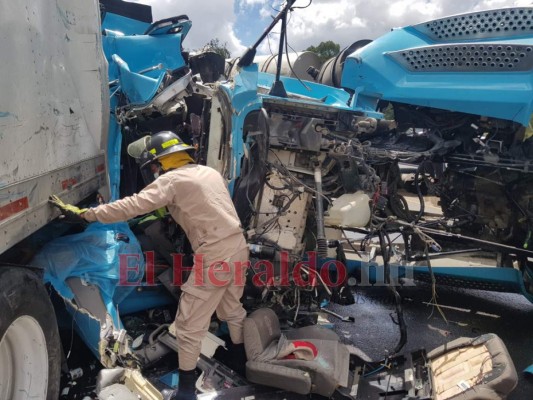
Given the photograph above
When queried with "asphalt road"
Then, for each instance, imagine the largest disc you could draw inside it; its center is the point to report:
(468, 313)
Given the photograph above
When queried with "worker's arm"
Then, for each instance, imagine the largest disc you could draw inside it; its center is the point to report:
(156, 195)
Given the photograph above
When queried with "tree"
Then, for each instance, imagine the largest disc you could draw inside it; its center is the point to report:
(216, 46)
(325, 50)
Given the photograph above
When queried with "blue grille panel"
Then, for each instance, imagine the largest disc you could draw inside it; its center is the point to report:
(492, 24)
(484, 57)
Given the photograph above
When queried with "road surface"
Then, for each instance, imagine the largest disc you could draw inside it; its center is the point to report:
(468, 312)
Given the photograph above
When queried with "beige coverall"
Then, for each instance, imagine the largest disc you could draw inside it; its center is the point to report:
(198, 200)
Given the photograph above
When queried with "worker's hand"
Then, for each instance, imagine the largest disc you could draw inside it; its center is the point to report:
(69, 212)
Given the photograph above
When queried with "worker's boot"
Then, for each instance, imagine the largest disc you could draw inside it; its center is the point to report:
(237, 358)
(186, 386)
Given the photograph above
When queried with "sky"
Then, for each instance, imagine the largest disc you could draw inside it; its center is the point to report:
(238, 23)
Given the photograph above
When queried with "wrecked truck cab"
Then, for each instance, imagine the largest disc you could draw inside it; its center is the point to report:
(460, 89)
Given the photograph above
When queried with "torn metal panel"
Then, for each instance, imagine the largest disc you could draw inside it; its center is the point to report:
(88, 297)
(95, 270)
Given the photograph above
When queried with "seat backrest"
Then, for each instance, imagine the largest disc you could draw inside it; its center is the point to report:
(260, 329)
(482, 366)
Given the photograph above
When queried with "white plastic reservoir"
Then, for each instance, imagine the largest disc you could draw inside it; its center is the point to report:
(351, 210)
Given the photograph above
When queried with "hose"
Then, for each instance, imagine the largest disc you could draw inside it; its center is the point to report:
(398, 300)
(400, 208)
(419, 192)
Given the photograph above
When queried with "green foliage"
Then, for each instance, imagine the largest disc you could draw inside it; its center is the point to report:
(325, 50)
(388, 112)
(216, 46)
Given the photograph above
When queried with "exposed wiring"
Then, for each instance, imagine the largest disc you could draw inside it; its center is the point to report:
(454, 203)
(269, 47)
(492, 181)
(428, 240)
(429, 243)
(433, 301)
(72, 331)
(268, 224)
(285, 187)
(292, 48)
(512, 165)
(289, 60)
(297, 295)
(374, 372)
(419, 192)
(383, 365)
(388, 386)
(275, 9)
(385, 253)
(463, 238)
(482, 371)
(350, 243)
(328, 290)
(294, 178)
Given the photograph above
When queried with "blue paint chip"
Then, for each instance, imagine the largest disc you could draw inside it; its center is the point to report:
(529, 370)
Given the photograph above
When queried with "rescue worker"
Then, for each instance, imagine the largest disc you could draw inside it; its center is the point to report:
(197, 198)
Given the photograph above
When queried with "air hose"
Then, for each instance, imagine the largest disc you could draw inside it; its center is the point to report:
(321, 241)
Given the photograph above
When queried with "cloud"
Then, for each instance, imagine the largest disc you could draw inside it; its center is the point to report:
(343, 21)
(346, 21)
(252, 2)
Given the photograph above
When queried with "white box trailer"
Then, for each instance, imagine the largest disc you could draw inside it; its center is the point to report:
(54, 110)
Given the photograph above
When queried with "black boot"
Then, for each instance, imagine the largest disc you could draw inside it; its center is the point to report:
(237, 358)
(186, 386)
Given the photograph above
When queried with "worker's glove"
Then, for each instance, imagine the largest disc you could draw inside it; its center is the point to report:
(69, 212)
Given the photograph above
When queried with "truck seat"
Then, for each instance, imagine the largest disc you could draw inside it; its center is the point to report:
(284, 360)
(472, 369)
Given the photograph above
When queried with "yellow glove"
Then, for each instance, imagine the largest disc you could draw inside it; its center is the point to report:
(70, 212)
